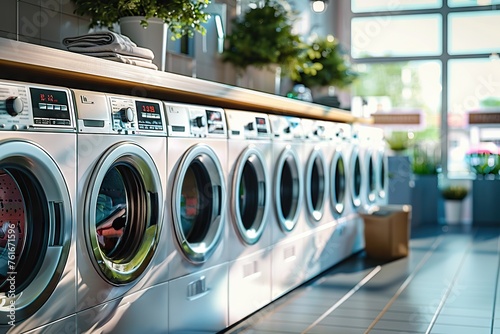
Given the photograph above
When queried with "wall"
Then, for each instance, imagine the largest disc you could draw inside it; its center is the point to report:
(48, 22)
(43, 22)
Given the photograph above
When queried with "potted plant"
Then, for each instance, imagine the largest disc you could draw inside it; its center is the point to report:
(262, 37)
(453, 196)
(325, 64)
(146, 22)
(483, 159)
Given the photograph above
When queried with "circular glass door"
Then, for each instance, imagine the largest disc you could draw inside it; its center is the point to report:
(288, 187)
(381, 174)
(123, 213)
(198, 203)
(315, 185)
(338, 183)
(357, 178)
(35, 228)
(372, 177)
(249, 195)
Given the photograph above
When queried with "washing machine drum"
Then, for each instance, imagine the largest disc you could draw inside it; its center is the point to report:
(288, 189)
(35, 228)
(198, 203)
(382, 175)
(123, 213)
(249, 195)
(315, 185)
(357, 178)
(338, 186)
(372, 178)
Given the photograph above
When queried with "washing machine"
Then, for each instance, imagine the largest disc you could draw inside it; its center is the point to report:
(122, 265)
(317, 150)
(287, 227)
(37, 208)
(196, 204)
(368, 141)
(249, 158)
(381, 167)
(362, 187)
(341, 175)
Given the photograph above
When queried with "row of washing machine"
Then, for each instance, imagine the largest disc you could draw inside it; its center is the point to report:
(122, 214)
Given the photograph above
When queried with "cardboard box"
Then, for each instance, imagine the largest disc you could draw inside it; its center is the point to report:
(387, 231)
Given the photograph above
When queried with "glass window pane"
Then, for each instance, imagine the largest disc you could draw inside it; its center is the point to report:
(390, 36)
(469, 3)
(362, 6)
(473, 84)
(401, 86)
(474, 32)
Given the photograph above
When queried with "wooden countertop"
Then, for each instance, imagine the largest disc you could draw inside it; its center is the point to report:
(38, 64)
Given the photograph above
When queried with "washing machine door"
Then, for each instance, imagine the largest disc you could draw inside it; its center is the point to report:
(338, 183)
(356, 177)
(288, 189)
(249, 203)
(382, 174)
(315, 185)
(372, 177)
(123, 210)
(35, 228)
(198, 203)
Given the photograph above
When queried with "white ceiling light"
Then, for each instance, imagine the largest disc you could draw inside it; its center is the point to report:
(318, 6)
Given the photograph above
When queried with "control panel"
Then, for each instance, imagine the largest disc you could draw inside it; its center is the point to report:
(30, 107)
(286, 127)
(126, 115)
(247, 125)
(186, 120)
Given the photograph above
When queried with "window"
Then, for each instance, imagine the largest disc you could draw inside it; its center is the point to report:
(364, 6)
(405, 56)
(474, 32)
(402, 35)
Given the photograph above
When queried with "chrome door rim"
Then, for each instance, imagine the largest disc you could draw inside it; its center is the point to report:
(338, 207)
(288, 153)
(356, 166)
(137, 160)
(315, 157)
(38, 162)
(253, 156)
(199, 252)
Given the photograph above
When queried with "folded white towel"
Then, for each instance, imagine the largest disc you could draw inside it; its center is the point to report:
(106, 41)
(123, 59)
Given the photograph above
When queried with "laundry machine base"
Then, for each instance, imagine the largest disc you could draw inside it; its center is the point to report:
(145, 311)
(249, 285)
(287, 270)
(198, 301)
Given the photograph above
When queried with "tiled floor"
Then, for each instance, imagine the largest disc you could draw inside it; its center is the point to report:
(448, 284)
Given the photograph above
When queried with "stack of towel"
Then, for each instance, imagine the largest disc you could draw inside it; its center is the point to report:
(112, 46)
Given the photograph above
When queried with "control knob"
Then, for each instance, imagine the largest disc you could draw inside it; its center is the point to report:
(319, 131)
(127, 115)
(249, 126)
(199, 121)
(14, 105)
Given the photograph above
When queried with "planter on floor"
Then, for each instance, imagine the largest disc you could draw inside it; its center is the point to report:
(425, 197)
(485, 207)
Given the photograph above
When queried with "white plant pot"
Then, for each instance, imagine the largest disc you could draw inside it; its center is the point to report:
(266, 79)
(153, 37)
(453, 211)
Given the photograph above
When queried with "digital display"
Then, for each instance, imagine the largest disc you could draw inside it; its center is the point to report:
(149, 115)
(215, 122)
(50, 107)
(260, 120)
(214, 116)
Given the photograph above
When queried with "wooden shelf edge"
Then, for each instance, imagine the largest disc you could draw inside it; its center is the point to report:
(39, 64)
